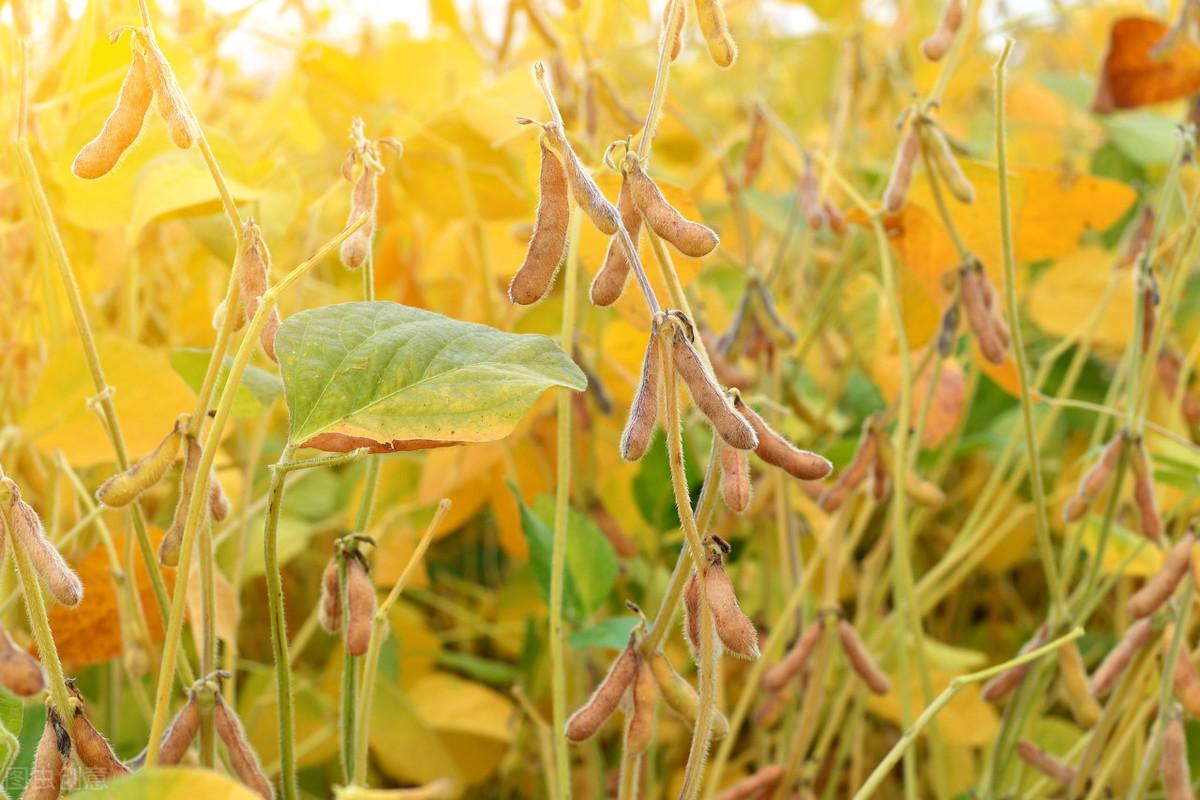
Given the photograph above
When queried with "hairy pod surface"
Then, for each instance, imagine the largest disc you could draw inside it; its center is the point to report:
(681, 697)
(691, 615)
(639, 724)
(708, 397)
(20, 672)
(123, 488)
(756, 146)
(757, 784)
(734, 628)
(854, 473)
(861, 660)
(1053, 768)
(673, 25)
(330, 609)
(584, 723)
(905, 165)
(180, 733)
(944, 162)
(51, 567)
(643, 413)
(973, 291)
(1143, 493)
(242, 757)
(1176, 776)
(935, 46)
(795, 659)
(548, 244)
(587, 194)
(690, 238)
(1095, 479)
(779, 452)
(1000, 686)
(736, 486)
(122, 127)
(53, 750)
(711, 16)
(94, 750)
(1119, 658)
(1186, 682)
(1156, 591)
(364, 200)
(611, 278)
(360, 597)
(169, 98)
(168, 548)
(1075, 685)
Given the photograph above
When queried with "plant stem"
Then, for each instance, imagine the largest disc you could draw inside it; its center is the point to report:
(880, 773)
(562, 499)
(659, 94)
(279, 639)
(1045, 547)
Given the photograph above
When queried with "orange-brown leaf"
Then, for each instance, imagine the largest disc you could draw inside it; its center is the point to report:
(1133, 75)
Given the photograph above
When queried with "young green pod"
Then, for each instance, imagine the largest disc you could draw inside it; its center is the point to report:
(121, 128)
(998, 687)
(50, 760)
(94, 750)
(1075, 685)
(708, 397)
(171, 103)
(364, 201)
(20, 672)
(760, 783)
(1119, 658)
(329, 612)
(734, 628)
(168, 548)
(180, 733)
(1053, 768)
(795, 659)
(861, 661)
(903, 169)
(1143, 493)
(242, 757)
(681, 697)
(48, 563)
(711, 16)
(548, 244)
(584, 723)
(643, 413)
(938, 149)
(779, 452)
(639, 722)
(674, 19)
(587, 194)
(1159, 588)
(937, 44)
(610, 280)
(690, 238)
(360, 599)
(736, 486)
(1176, 776)
(123, 488)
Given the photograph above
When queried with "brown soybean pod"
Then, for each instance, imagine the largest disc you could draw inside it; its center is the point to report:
(711, 16)
(795, 659)
(861, 661)
(364, 200)
(360, 598)
(726, 372)
(1096, 478)
(778, 451)
(771, 710)
(587, 194)
(736, 487)
(758, 784)
(756, 147)
(808, 195)
(979, 318)
(1135, 638)
(1043, 762)
(690, 238)
(1187, 683)
(643, 413)
(330, 613)
(218, 502)
(998, 687)
(20, 672)
(708, 397)
(673, 25)
(691, 614)
(51, 567)
(600, 706)
(935, 46)
(172, 105)
(923, 492)
(639, 725)
(121, 128)
(242, 757)
(45, 782)
(1163, 583)
(1176, 777)
(168, 549)
(94, 750)
(549, 241)
(734, 628)
(1075, 685)
(854, 474)
(610, 280)
(947, 166)
(902, 171)
(1143, 493)
(123, 488)
(681, 697)
(180, 733)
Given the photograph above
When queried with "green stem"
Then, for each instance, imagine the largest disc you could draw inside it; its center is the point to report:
(349, 678)
(279, 640)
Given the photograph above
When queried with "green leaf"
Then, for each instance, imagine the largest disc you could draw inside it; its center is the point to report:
(258, 389)
(170, 783)
(1143, 137)
(12, 712)
(612, 633)
(591, 568)
(390, 374)
(485, 670)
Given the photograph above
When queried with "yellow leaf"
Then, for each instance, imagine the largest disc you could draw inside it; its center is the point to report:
(1069, 293)
(170, 783)
(148, 395)
(965, 720)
